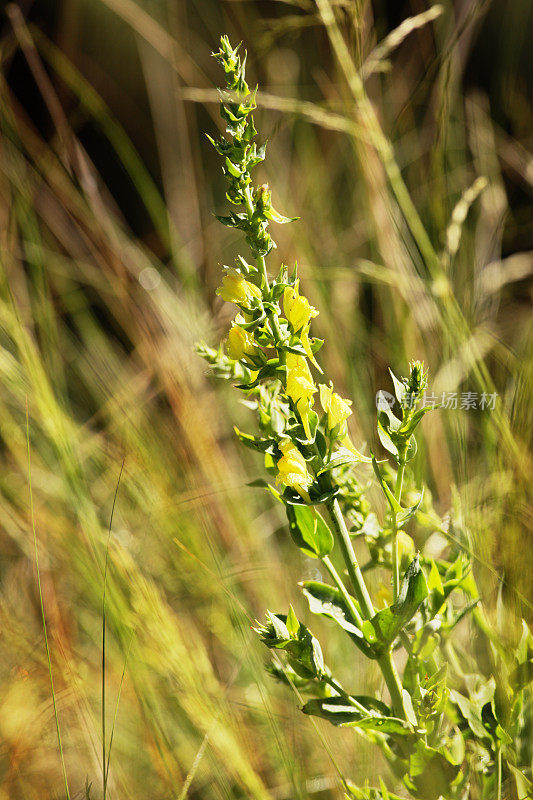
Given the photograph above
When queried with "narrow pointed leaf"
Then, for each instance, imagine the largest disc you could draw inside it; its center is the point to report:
(339, 712)
(328, 602)
(385, 626)
(309, 531)
(393, 503)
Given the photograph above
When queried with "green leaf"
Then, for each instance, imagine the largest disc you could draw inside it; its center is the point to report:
(385, 626)
(341, 457)
(430, 772)
(522, 675)
(275, 216)
(233, 169)
(458, 617)
(387, 417)
(309, 531)
(328, 601)
(471, 713)
(339, 712)
(435, 587)
(407, 513)
(408, 708)
(438, 680)
(525, 644)
(234, 220)
(254, 443)
(279, 628)
(399, 387)
(370, 793)
(412, 447)
(524, 787)
(394, 504)
(502, 735)
(285, 632)
(292, 622)
(456, 749)
(413, 421)
(285, 674)
(386, 441)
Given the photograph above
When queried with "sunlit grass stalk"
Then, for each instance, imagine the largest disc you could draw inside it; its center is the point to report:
(41, 605)
(105, 759)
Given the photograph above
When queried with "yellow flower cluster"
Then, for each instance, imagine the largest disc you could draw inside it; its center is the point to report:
(300, 387)
(236, 289)
(299, 384)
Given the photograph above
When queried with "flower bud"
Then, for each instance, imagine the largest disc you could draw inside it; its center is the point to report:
(262, 197)
(417, 381)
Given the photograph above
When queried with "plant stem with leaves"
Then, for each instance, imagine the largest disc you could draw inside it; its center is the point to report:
(271, 356)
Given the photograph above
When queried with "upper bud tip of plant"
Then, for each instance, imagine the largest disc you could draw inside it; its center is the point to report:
(418, 378)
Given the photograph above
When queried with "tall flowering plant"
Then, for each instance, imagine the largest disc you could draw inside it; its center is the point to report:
(444, 734)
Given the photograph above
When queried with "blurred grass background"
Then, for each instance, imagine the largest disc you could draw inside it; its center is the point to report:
(110, 257)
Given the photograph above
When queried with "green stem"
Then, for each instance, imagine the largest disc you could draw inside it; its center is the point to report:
(499, 762)
(399, 482)
(395, 564)
(406, 642)
(349, 699)
(352, 565)
(386, 663)
(356, 616)
(392, 680)
(261, 263)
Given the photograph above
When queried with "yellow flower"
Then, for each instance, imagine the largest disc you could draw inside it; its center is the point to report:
(240, 343)
(306, 344)
(292, 468)
(300, 387)
(297, 307)
(236, 289)
(345, 441)
(299, 379)
(337, 409)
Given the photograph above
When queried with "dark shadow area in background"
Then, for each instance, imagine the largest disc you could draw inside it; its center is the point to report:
(105, 50)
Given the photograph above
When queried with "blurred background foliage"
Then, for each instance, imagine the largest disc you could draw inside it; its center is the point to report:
(110, 257)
